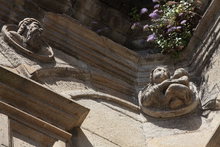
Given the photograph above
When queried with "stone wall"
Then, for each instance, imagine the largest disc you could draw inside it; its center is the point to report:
(106, 77)
(102, 19)
(96, 15)
(206, 64)
(124, 72)
(32, 115)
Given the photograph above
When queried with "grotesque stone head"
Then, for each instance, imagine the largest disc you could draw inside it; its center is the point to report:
(159, 74)
(31, 30)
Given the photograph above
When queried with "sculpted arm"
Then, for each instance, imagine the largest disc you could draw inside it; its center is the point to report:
(182, 80)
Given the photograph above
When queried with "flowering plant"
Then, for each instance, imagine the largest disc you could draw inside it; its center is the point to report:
(172, 24)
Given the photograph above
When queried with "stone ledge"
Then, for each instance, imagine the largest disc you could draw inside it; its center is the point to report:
(30, 120)
(36, 100)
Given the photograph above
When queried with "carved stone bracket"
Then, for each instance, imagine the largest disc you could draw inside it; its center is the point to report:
(168, 96)
(26, 37)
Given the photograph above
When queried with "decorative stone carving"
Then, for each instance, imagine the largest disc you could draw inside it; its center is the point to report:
(27, 38)
(168, 96)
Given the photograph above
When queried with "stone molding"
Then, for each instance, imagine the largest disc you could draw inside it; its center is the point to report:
(29, 103)
(33, 121)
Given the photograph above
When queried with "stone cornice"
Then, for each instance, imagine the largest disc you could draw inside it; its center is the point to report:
(26, 101)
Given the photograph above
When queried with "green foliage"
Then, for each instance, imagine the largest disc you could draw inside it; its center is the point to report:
(134, 14)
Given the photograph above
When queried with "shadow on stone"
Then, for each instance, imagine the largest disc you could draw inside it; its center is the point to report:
(188, 122)
(79, 138)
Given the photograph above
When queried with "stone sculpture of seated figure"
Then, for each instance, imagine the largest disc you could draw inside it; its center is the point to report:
(165, 91)
(28, 34)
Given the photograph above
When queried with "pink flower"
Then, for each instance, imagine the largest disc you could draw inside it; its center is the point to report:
(178, 27)
(183, 22)
(151, 37)
(171, 29)
(156, 1)
(154, 15)
(135, 25)
(156, 6)
(146, 27)
(144, 10)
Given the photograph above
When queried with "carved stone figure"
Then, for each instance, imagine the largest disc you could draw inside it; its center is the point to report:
(167, 93)
(29, 32)
(27, 38)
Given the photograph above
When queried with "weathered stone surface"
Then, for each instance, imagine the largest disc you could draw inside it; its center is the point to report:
(168, 96)
(210, 85)
(58, 6)
(111, 71)
(59, 144)
(4, 61)
(86, 46)
(4, 130)
(154, 128)
(16, 90)
(112, 125)
(22, 135)
(186, 131)
(184, 140)
(12, 11)
(26, 37)
(90, 11)
(21, 143)
(85, 138)
(105, 61)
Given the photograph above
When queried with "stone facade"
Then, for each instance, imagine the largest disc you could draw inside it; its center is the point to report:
(47, 104)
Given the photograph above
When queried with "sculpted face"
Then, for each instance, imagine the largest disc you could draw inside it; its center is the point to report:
(160, 74)
(34, 29)
(33, 37)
